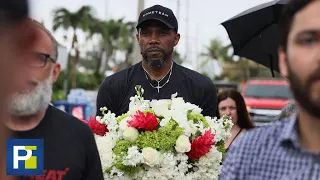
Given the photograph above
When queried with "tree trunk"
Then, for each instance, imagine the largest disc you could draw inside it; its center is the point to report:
(74, 69)
(99, 59)
(66, 77)
(69, 63)
(74, 61)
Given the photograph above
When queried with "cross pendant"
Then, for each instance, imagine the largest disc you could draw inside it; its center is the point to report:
(158, 87)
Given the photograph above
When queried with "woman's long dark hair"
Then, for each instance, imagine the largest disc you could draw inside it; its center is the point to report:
(244, 120)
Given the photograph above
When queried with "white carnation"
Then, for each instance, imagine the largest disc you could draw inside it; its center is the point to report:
(134, 157)
(105, 145)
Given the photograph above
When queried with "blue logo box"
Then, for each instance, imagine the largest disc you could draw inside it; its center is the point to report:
(25, 157)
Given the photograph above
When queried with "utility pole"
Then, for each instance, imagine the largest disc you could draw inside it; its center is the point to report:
(136, 49)
(196, 50)
(175, 53)
(187, 32)
(178, 10)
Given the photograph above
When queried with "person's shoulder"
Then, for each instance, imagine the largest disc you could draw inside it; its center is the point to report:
(197, 78)
(261, 137)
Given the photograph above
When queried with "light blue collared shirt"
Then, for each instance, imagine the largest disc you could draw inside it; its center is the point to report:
(271, 152)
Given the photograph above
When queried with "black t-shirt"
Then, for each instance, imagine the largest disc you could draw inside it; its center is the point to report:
(116, 90)
(70, 151)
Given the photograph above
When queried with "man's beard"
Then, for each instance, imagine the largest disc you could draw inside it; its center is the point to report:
(153, 62)
(32, 102)
(303, 92)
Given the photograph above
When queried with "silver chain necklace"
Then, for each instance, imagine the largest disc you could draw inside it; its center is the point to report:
(158, 81)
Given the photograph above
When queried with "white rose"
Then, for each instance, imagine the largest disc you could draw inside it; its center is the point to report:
(130, 134)
(151, 156)
(183, 144)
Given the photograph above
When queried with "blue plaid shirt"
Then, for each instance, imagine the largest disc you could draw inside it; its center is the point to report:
(272, 152)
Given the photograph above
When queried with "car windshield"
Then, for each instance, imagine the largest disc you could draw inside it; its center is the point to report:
(268, 91)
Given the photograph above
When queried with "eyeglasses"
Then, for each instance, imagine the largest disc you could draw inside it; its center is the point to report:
(39, 60)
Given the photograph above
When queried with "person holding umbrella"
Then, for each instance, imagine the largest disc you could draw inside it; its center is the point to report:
(290, 148)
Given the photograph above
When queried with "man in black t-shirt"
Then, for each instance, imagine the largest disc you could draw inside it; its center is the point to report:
(157, 73)
(70, 151)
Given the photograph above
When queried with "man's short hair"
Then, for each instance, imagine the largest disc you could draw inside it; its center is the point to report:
(289, 11)
(55, 43)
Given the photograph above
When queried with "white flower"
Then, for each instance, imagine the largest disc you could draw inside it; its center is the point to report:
(124, 123)
(183, 144)
(110, 120)
(137, 103)
(134, 157)
(165, 121)
(130, 134)
(160, 107)
(194, 108)
(174, 95)
(151, 156)
(104, 146)
(178, 104)
(100, 120)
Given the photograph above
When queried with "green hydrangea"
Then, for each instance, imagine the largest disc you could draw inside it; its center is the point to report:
(162, 140)
(123, 116)
(121, 150)
(129, 170)
(198, 118)
(220, 148)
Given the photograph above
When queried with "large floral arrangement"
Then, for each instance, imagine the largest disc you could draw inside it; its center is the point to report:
(160, 139)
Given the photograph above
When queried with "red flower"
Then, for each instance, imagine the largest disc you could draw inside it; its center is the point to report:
(146, 122)
(97, 127)
(201, 146)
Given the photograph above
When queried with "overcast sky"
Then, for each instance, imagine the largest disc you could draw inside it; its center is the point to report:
(204, 17)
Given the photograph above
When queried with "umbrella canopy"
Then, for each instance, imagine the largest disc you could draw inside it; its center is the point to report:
(255, 33)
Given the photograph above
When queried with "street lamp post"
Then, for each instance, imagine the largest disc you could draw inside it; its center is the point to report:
(136, 48)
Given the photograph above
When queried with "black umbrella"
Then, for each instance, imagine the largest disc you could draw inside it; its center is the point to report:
(255, 33)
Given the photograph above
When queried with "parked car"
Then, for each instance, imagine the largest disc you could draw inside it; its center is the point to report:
(266, 98)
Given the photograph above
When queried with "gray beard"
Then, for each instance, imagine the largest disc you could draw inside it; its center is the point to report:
(33, 102)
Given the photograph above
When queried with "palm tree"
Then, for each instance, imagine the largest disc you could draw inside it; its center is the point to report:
(80, 19)
(217, 51)
(116, 35)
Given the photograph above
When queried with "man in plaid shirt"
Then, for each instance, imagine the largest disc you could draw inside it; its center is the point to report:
(288, 149)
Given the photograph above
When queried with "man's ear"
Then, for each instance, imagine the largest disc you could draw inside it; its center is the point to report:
(56, 72)
(176, 39)
(283, 64)
(138, 38)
